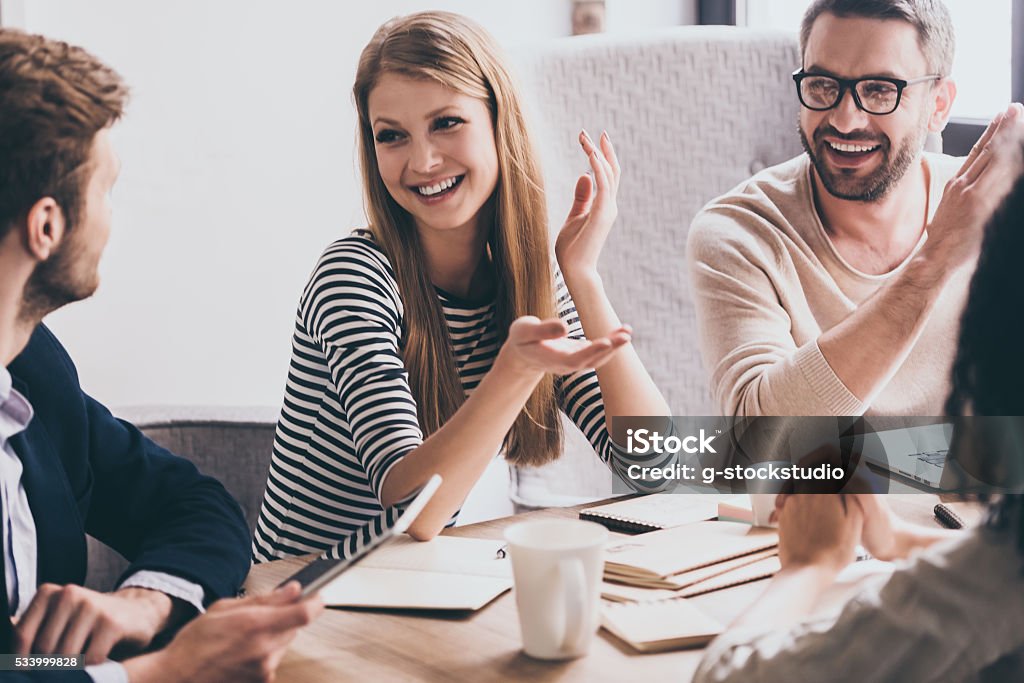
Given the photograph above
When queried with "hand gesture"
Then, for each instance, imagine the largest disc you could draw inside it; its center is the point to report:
(240, 640)
(590, 219)
(881, 526)
(818, 529)
(981, 184)
(535, 345)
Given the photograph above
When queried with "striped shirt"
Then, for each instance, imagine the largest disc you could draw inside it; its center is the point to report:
(349, 414)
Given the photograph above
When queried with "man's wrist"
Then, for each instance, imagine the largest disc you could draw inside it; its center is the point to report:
(935, 262)
(156, 605)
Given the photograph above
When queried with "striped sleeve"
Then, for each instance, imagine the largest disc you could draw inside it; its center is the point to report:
(579, 396)
(352, 310)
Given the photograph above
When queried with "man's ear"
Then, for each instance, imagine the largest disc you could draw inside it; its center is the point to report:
(45, 228)
(945, 93)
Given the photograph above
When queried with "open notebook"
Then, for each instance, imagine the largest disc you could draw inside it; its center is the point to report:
(659, 626)
(446, 573)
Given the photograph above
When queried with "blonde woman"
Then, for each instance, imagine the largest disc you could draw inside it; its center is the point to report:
(443, 333)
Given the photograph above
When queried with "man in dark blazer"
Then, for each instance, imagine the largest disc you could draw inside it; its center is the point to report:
(67, 466)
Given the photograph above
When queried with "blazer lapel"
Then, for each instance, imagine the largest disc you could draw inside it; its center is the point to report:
(60, 536)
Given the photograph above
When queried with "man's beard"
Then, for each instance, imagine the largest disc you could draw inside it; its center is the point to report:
(61, 279)
(874, 186)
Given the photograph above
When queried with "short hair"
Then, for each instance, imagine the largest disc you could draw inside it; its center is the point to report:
(56, 98)
(930, 18)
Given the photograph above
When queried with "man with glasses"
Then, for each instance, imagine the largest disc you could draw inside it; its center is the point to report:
(832, 284)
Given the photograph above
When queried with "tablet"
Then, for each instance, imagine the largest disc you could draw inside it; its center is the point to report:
(360, 543)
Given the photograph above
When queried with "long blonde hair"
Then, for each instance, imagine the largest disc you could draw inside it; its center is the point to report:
(459, 54)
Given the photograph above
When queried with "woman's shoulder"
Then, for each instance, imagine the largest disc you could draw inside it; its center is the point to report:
(359, 246)
(354, 264)
(357, 255)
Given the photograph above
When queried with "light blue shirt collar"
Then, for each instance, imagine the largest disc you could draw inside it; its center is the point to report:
(15, 410)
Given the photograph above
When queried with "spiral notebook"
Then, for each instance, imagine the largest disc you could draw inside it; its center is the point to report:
(658, 511)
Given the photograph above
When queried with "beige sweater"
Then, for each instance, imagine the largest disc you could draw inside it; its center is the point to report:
(767, 282)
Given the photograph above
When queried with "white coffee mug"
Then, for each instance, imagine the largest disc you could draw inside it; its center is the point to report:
(557, 567)
(763, 505)
(763, 493)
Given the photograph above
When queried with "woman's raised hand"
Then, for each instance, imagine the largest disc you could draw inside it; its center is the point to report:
(593, 210)
(536, 345)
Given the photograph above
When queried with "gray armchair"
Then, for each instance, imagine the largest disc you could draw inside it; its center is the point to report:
(231, 444)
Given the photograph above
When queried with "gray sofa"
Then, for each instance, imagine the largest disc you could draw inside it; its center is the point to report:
(233, 445)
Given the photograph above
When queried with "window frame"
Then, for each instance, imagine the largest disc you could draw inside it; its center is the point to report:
(960, 133)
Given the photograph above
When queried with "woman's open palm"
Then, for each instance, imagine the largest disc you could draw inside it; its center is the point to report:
(542, 345)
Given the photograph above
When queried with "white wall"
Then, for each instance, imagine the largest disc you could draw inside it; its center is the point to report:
(238, 168)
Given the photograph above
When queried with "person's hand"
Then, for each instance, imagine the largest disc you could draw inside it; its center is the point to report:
(238, 639)
(540, 346)
(819, 530)
(590, 219)
(887, 536)
(73, 620)
(882, 527)
(981, 184)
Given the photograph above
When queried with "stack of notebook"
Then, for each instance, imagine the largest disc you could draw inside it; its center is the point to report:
(692, 559)
(648, 578)
(692, 551)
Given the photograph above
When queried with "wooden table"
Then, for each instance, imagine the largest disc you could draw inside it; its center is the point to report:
(376, 645)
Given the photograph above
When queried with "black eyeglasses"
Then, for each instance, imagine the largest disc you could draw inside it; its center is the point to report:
(875, 95)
